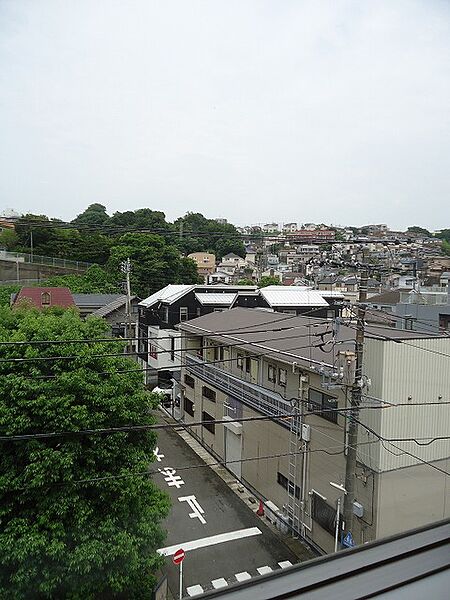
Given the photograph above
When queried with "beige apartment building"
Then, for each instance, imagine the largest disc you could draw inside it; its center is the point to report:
(286, 381)
(206, 263)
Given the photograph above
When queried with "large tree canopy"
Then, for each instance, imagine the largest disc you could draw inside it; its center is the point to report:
(78, 519)
(154, 262)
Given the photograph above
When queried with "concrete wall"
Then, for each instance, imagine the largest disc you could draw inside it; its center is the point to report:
(12, 271)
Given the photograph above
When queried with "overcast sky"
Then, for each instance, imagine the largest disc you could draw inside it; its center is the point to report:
(333, 111)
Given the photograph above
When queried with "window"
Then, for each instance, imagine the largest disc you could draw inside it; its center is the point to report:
(323, 513)
(152, 351)
(211, 427)
(218, 353)
(183, 313)
(323, 405)
(199, 312)
(409, 323)
(240, 361)
(189, 381)
(172, 348)
(165, 314)
(272, 374)
(208, 393)
(188, 406)
(284, 482)
(282, 377)
(45, 299)
(247, 364)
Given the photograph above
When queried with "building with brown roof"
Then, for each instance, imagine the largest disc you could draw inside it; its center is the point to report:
(44, 297)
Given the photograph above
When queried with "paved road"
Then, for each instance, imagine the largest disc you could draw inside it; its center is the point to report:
(223, 513)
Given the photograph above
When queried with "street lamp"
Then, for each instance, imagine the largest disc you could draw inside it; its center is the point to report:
(342, 489)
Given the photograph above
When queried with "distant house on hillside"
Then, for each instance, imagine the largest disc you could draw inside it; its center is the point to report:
(44, 297)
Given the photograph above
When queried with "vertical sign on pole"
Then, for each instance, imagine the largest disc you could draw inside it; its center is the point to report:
(177, 559)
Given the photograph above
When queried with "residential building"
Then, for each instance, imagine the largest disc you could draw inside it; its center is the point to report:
(88, 304)
(44, 297)
(271, 228)
(312, 236)
(243, 376)
(290, 227)
(115, 314)
(206, 263)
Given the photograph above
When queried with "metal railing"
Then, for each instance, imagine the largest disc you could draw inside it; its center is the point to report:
(36, 259)
(263, 400)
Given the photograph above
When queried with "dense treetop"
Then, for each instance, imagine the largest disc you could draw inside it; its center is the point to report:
(76, 521)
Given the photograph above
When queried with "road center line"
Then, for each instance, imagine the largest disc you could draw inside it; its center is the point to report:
(210, 541)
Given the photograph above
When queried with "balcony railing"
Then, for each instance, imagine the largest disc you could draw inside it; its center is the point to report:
(255, 396)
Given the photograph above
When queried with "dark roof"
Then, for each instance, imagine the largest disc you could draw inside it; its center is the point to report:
(119, 302)
(276, 337)
(59, 296)
(94, 300)
(388, 297)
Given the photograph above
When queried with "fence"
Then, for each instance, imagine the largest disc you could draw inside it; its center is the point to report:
(36, 259)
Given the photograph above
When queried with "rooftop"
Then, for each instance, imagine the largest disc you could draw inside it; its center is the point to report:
(45, 297)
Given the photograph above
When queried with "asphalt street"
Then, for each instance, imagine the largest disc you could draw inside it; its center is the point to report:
(203, 506)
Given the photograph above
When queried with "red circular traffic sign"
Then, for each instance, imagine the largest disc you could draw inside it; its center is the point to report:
(178, 557)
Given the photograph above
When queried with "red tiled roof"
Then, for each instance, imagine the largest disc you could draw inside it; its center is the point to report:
(61, 296)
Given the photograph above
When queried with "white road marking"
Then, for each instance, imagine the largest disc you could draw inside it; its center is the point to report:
(197, 510)
(264, 570)
(219, 583)
(243, 576)
(210, 541)
(285, 563)
(194, 590)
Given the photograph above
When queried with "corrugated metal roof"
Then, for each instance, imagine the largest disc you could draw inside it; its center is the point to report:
(89, 300)
(169, 294)
(216, 298)
(292, 296)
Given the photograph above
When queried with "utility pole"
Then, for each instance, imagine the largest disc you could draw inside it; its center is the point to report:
(125, 267)
(355, 402)
(31, 244)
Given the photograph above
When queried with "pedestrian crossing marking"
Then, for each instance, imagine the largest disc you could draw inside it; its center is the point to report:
(219, 583)
(264, 570)
(194, 590)
(243, 576)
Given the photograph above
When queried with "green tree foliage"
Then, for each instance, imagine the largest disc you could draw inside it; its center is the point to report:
(76, 521)
(268, 280)
(446, 247)
(9, 239)
(245, 282)
(5, 293)
(444, 234)
(199, 234)
(143, 218)
(95, 280)
(95, 214)
(155, 263)
(50, 238)
(420, 230)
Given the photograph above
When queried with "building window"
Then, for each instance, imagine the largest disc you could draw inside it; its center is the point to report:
(272, 374)
(152, 350)
(183, 313)
(409, 323)
(211, 427)
(282, 377)
(189, 381)
(285, 482)
(323, 513)
(165, 314)
(323, 405)
(199, 312)
(188, 406)
(240, 361)
(248, 364)
(45, 299)
(208, 393)
(172, 349)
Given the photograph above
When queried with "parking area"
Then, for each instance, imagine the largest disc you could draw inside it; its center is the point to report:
(224, 540)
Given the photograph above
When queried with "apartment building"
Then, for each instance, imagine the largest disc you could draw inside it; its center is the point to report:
(206, 263)
(289, 378)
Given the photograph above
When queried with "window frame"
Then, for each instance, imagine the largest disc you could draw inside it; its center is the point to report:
(188, 406)
(189, 381)
(211, 427)
(280, 382)
(184, 314)
(326, 407)
(210, 395)
(272, 369)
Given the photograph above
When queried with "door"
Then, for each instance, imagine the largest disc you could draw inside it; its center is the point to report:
(233, 452)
